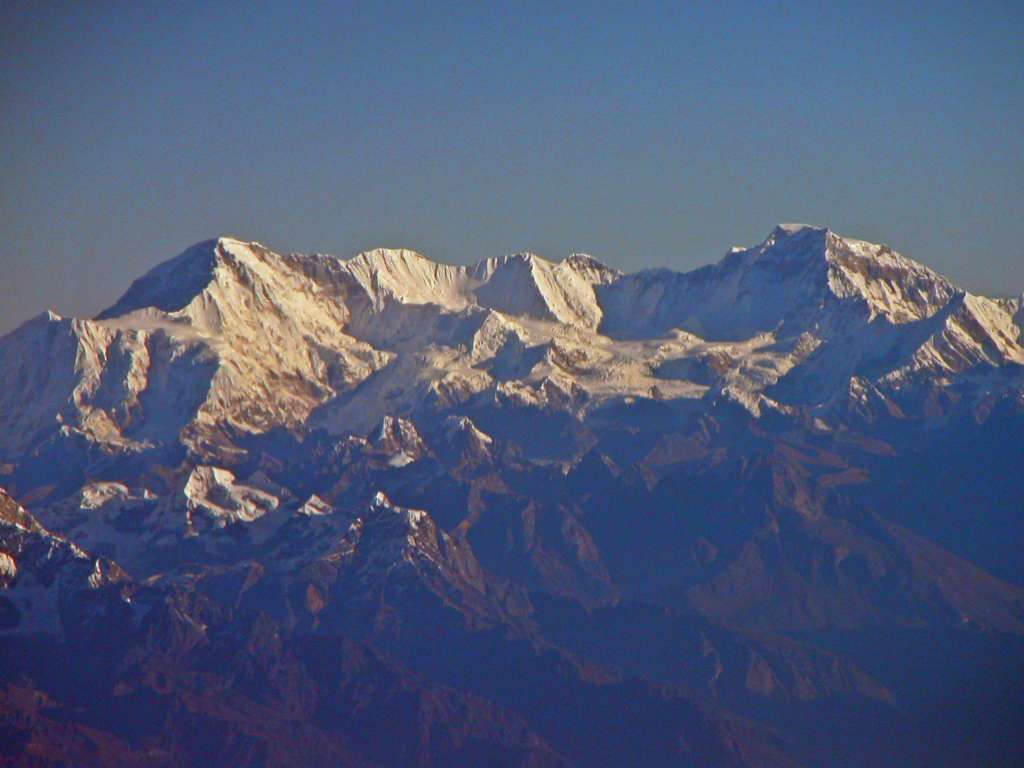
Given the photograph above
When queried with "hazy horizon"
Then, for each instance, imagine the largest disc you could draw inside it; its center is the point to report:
(650, 138)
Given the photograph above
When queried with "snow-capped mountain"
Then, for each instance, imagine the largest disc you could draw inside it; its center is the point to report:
(299, 509)
(799, 279)
(230, 338)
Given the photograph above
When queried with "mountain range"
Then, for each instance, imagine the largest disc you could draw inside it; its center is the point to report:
(287, 509)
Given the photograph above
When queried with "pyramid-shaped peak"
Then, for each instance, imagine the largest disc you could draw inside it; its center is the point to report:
(394, 428)
(171, 285)
(462, 428)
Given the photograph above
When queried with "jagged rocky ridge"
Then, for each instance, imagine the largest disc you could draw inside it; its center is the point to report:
(305, 510)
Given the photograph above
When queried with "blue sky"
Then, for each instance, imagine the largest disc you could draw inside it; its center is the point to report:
(652, 136)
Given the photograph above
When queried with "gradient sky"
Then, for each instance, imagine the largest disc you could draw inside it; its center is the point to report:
(651, 137)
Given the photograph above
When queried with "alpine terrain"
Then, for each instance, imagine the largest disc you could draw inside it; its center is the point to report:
(297, 510)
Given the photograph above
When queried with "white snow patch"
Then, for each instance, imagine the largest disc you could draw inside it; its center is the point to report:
(8, 567)
(315, 507)
(216, 491)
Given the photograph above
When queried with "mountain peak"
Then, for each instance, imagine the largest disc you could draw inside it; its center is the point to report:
(789, 229)
(456, 424)
(522, 262)
(412, 529)
(408, 277)
(171, 285)
(526, 284)
(821, 265)
(399, 438)
(591, 269)
(796, 280)
(380, 499)
(463, 439)
(793, 242)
